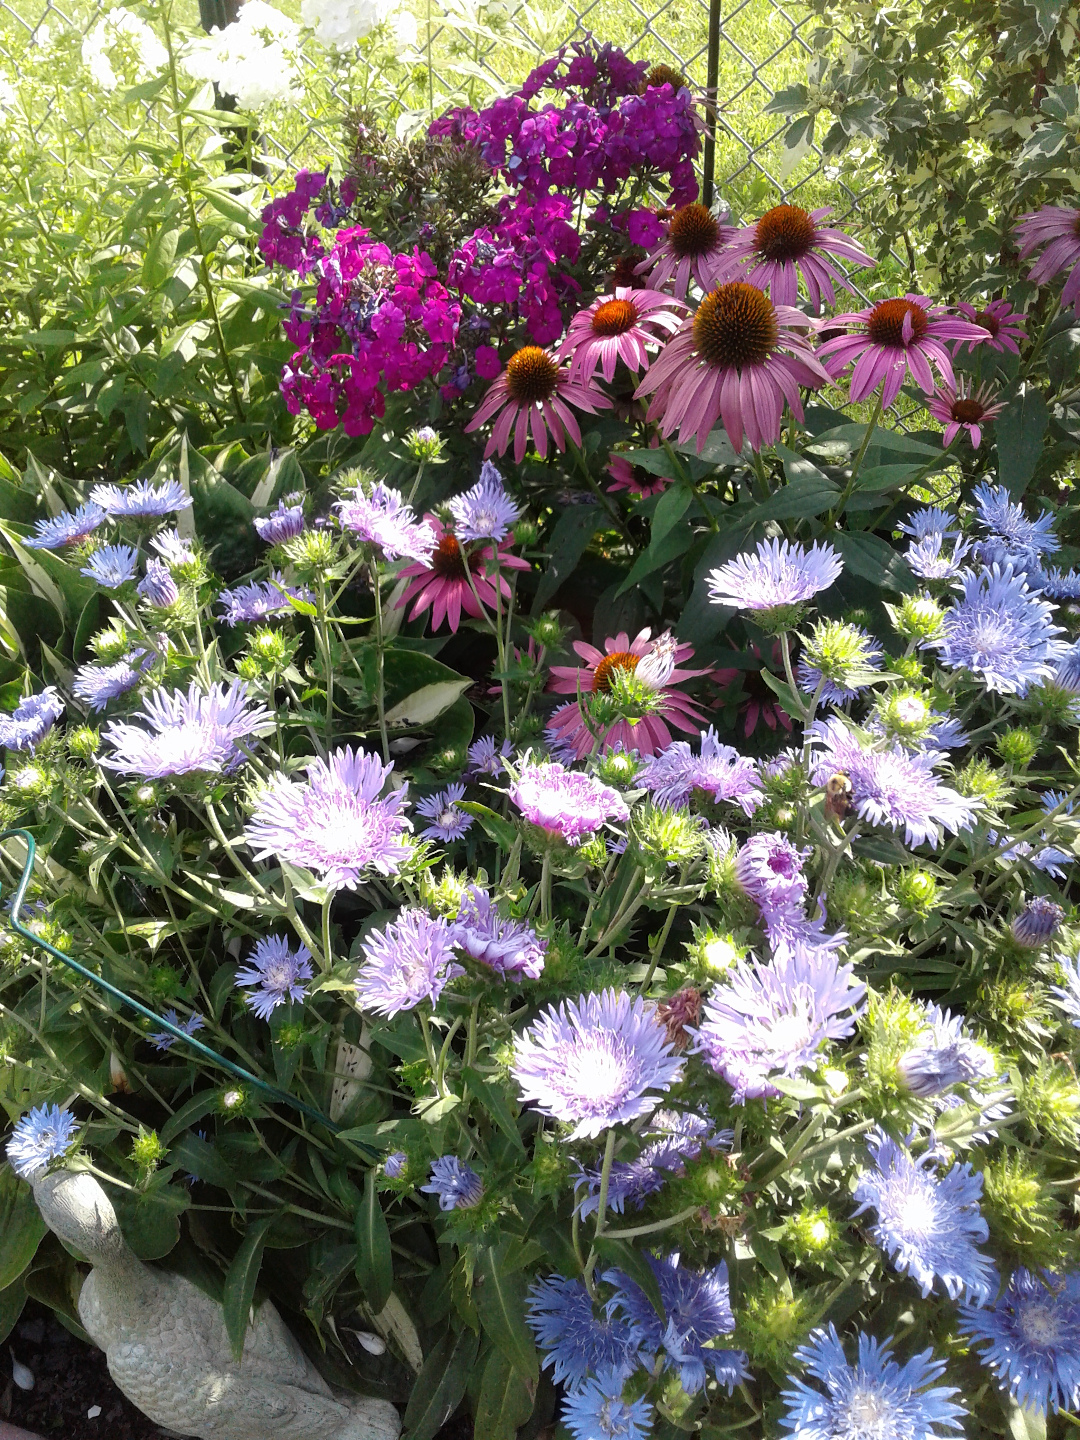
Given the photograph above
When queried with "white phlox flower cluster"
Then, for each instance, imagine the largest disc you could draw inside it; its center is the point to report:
(121, 41)
(254, 59)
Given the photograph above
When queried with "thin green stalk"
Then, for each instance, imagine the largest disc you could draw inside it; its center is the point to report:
(380, 698)
(856, 464)
(601, 1212)
(545, 888)
(328, 954)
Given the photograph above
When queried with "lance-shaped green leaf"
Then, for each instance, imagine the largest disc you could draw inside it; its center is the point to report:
(499, 1297)
(240, 1282)
(374, 1258)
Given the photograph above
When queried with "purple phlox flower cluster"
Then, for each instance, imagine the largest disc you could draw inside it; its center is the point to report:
(596, 1410)
(259, 599)
(1068, 992)
(384, 519)
(780, 572)
(43, 1135)
(719, 770)
(560, 1313)
(31, 720)
(157, 586)
(112, 566)
(486, 512)
(457, 1185)
(895, 786)
(282, 241)
(96, 685)
(143, 500)
(274, 973)
(874, 1397)
(1030, 1339)
(174, 548)
(510, 947)
(593, 1061)
(929, 561)
(448, 820)
(485, 758)
(943, 1056)
(928, 1224)
(284, 523)
(67, 529)
(199, 730)
(411, 960)
(774, 1018)
(565, 802)
(163, 1040)
(930, 520)
(678, 1138)
(337, 823)
(697, 1310)
(1037, 922)
(870, 657)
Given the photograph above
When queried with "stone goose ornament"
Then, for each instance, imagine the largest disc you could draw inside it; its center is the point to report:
(167, 1349)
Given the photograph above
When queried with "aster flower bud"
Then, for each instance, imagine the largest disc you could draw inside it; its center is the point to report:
(424, 445)
(1017, 746)
(618, 767)
(313, 551)
(112, 643)
(916, 890)
(147, 1152)
(905, 713)
(811, 1234)
(31, 783)
(547, 630)
(917, 617)
(234, 1101)
(83, 742)
(839, 658)
(682, 1010)
(667, 837)
(1037, 923)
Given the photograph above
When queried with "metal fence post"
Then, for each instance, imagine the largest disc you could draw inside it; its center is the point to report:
(712, 75)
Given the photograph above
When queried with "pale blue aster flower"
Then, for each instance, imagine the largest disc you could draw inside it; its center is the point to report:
(1001, 631)
(384, 519)
(1068, 993)
(284, 523)
(174, 548)
(560, 1314)
(1067, 670)
(273, 974)
(930, 520)
(631, 1182)
(409, 961)
(1061, 584)
(780, 572)
(484, 758)
(769, 869)
(196, 730)
(565, 802)
(141, 500)
(158, 586)
(1037, 922)
(43, 1135)
(31, 720)
(457, 1185)
(593, 1061)
(163, 1040)
(1049, 860)
(247, 604)
(395, 1165)
(67, 529)
(928, 1224)
(1004, 518)
(928, 559)
(597, 1411)
(486, 512)
(96, 685)
(718, 771)
(112, 566)
(448, 821)
(943, 1056)
(1030, 1339)
(510, 947)
(876, 1397)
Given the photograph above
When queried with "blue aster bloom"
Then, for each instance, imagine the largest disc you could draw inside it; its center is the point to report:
(631, 1182)
(1001, 631)
(930, 520)
(395, 1165)
(875, 1399)
(31, 720)
(486, 512)
(929, 560)
(246, 604)
(196, 730)
(96, 685)
(509, 947)
(1037, 922)
(411, 960)
(1030, 1339)
(112, 565)
(284, 523)
(943, 1056)
(485, 759)
(66, 529)
(1068, 993)
(928, 1224)
(597, 1411)
(458, 1186)
(1061, 584)
(162, 1040)
(143, 500)
(274, 973)
(697, 1310)
(448, 821)
(718, 771)
(1006, 519)
(778, 573)
(43, 1135)
(158, 586)
(174, 548)
(560, 1314)
(1067, 671)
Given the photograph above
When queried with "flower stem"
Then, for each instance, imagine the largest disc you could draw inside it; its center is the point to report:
(545, 889)
(601, 1211)
(380, 697)
(856, 464)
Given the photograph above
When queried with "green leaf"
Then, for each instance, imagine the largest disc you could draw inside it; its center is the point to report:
(150, 1223)
(886, 477)
(633, 1264)
(408, 672)
(374, 1258)
(671, 507)
(505, 1402)
(159, 257)
(499, 1296)
(240, 1283)
(440, 1384)
(12, 1300)
(874, 559)
(782, 690)
(21, 1226)
(496, 828)
(428, 703)
(201, 1158)
(494, 1100)
(1019, 431)
(675, 543)
(573, 530)
(852, 435)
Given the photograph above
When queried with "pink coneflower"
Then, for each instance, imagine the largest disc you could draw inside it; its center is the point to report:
(960, 407)
(739, 358)
(618, 327)
(650, 734)
(893, 338)
(753, 699)
(534, 388)
(1059, 230)
(443, 582)
(1003, 326)
(695, 245)
(635, 478)
(788, 242)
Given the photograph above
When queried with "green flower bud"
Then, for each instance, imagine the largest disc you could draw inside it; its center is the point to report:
(1024, 1217)
(290, 1035)
(915, 889)
(144, 798)
(909, 668)
(234, 1101)
(842, 654)
(164, 982)
(30, 783)
(980, 781)
(1050, 1099)
(313, 551)
(1017, 746)
(424, 445)
(83, 742)
(526, 532)
(668, 837)
(811, 1235)
(917, 617)
(147, 1152)
(618, 767)
(112, 643)
(772, 1322)
(547, 629)
(444, 893)
(905, 713)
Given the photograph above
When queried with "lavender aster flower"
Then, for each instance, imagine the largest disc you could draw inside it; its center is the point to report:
(449, 821)
(43, 1135)
(246, 604)
(719, 771)
(510, 947)
(384, 519)
(927, 559)
(1037, 922)
(943, 1056)
(199, 730)
(163, 1040)
(485, 512)
(158, 585)
(411, 960)
(681, 1138)
(592, 1061)
(780, 573)
(1001, 631)
(144, 499)
(335, 823)
(112, 566)
(893, 787)
(1061, 584)
(395, 1165)
(928, 1224)
(1006, 519)
(630, 1182)
(1067, 671)
(560, 1314)
(96, 685)
(770, 870)
(174, 548)
(457, 1186)
(597, 1411)
(66, 529)
(1068, 994)
(274, 973)
(876, 1397)
(697, 1310)
(284, 523)
(774, 1018)
(565, 802)
(31, 720)
(484, 758)
(930, 520)
(1031, 1339)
